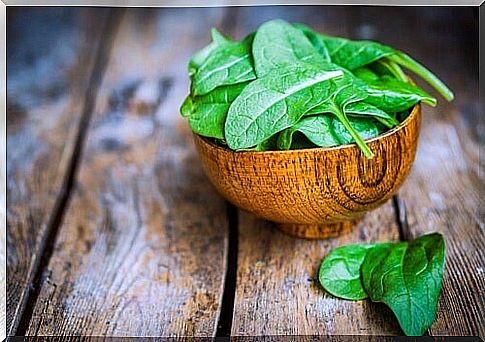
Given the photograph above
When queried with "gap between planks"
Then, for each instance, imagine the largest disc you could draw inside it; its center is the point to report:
(47, 243)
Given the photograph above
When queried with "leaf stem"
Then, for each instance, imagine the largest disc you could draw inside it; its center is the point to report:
(358, 139)
(393, 68)
(404, 60)
(388, 123)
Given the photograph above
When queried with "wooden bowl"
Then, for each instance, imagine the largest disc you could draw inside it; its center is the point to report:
(314, 193)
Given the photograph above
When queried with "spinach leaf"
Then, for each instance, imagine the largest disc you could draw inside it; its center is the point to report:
(207, 113)
(365, 74)
(269, 144)
(407, 277)
(366, 109)
(352, 54)
(386, 67)
(316, 41)
(317, 128)
(365, 128)
(391, 95)
(200, 56)
(406, 61)
(339, 272)
(277, 43)
(187, 107)
(227, 63)
(344, 91)
(274, 102)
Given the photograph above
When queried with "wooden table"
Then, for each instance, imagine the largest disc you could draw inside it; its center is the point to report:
(113, 228)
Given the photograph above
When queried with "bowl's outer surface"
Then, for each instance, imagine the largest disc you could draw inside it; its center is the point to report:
(313, 186)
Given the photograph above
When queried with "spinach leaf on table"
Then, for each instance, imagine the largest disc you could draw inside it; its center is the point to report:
(339, 273)
(277, 43)
(274, 102)
(317, 129)
(227, 63)
(207, 113)
(407, 277)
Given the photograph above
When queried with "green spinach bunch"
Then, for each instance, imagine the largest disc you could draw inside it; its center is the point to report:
(286, 86)
(406, 276)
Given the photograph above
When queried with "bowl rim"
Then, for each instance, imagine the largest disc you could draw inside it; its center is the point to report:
(394, 130)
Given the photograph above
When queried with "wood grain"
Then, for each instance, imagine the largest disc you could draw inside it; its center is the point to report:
(51, 54)
(277, 289)
(443, 194)
(443, 190)
(142, 248)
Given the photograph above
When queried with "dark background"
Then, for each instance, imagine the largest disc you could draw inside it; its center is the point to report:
(445, 39)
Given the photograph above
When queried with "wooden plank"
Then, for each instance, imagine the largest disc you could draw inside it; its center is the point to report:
(142, 249)
(277, 291)
(443, 190)
(50, 57)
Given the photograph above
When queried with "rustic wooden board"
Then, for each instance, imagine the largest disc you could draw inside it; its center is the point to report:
(443, 194)
(50, 54)
(443, 190)
(142, 249)
(277, 289)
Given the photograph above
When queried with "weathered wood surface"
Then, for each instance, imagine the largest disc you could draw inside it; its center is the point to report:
(441, 195)
(443, 190)
(142, 248)
(50, 57)
(277, 289)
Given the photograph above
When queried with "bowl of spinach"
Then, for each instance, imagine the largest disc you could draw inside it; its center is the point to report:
(305, 129)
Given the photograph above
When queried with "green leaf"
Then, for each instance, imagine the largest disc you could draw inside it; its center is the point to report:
(365, 109)
(207, 113)
(187, 107)
(344, 91)
(391, 95)
(406, 61)
(339, 272)
(227, 63)
(274, 102)
(365, 74)
(315, 39)
(352, 54)
(218, 40)
(387, 67)
(365, 128)
(268, 144)
(317, 128)
(407, 277)
(277, 43)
